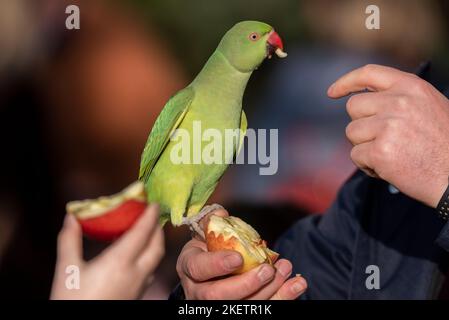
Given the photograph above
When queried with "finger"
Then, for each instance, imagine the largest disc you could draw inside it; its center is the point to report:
(130, 245)
(70, 242)
(239, 286)
(363, 130)
(205, 220)
(283, 271)
(371, 77)
(153, 253)
(360, 155)
(200, 265)
(366, 104)
(291, 289)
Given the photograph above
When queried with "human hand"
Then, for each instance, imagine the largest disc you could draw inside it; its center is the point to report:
(400, 129)
(206, 275)
(120, 272)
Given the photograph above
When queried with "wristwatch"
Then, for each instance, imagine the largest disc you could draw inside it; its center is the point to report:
(443, 206)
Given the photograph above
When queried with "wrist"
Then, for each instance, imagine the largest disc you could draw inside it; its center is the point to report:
(436, 191)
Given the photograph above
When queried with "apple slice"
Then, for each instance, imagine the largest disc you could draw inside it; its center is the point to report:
(107, 218)
(232, 233)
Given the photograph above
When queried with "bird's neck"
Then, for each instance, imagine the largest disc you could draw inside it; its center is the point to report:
(220, 79)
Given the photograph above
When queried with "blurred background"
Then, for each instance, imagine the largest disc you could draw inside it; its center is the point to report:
(76, 107)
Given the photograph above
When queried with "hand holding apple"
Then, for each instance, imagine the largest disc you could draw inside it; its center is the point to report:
(202, 275)
(120, 272)
(107, 218)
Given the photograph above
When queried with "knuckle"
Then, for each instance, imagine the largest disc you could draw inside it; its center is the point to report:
(306, 285)
(179, 266)
(412, 75)
(418, 86)
(192, 269)
(383, 150)
(354, 154)
(402, 102)
(349, 130)
(350, 105)
(391, 125)
(409, 78)
(181, 262)
(368, 68)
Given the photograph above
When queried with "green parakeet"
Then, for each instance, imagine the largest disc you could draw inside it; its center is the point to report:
(213, 99)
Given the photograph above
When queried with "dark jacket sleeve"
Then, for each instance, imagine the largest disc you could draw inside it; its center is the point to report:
(369, 224)
(321, 247)
(443, 237)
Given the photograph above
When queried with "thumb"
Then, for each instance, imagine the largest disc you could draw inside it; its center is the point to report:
(70, 242)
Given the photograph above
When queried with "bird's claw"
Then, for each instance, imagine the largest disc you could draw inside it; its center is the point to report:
(193, 222)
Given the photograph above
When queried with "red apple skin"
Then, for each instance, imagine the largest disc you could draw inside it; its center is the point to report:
(114, 223)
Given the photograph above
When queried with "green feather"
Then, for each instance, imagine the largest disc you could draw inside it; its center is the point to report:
(167, 122)
(214, 99)
(243, 127)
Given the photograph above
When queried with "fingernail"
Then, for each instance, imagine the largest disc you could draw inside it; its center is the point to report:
(265, 273)
(331, 88)
(233, 261)
(284, 269)
(299, 286)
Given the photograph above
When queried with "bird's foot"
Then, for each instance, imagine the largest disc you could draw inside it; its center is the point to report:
(193, 222)
(196, 230)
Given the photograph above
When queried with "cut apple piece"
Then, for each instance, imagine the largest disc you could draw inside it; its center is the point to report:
(232, 233)
(107, 218)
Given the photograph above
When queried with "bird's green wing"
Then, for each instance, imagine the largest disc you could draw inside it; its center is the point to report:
(243, 127)
(167, 122)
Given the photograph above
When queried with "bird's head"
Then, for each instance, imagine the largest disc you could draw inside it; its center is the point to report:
(248, 43)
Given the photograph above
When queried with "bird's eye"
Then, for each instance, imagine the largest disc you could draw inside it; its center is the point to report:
(254, 36)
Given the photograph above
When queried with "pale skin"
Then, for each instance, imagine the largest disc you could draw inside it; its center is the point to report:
(206, 275)
(121, 271)
(399, 129)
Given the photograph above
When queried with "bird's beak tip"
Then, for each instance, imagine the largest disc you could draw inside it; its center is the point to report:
(276, 45)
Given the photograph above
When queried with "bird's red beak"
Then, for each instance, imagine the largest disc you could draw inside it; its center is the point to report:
(275, 41)
(275, 45)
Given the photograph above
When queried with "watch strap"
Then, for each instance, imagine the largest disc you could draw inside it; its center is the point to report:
(443, 205)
